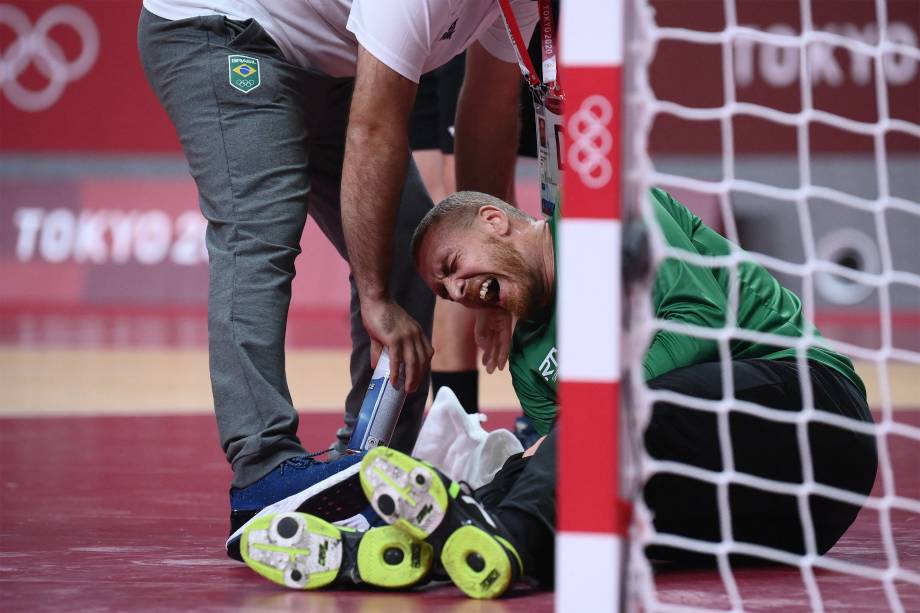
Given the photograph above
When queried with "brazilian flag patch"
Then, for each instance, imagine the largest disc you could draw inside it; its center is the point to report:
(244, 72)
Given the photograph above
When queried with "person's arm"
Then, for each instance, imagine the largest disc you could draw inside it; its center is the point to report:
(487, 126)
(683, 293)
(537, 397)
(533, 448)
(686, 296)
(485, 148)
(492, 332)
(373, 174)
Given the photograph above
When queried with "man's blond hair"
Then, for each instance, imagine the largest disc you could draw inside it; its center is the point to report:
(458, 211)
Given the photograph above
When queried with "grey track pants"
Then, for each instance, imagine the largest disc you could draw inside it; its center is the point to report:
(261, 160)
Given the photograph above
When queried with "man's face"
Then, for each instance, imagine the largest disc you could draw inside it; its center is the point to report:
(477, 269)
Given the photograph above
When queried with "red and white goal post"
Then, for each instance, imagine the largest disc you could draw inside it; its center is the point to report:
(827, 63)
(591, 521)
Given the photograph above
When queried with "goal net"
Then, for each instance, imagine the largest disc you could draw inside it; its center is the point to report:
(793, 129)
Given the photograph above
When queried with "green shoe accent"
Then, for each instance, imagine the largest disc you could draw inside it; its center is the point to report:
(406, 492)
(478, 563)
(293, 549)
(388, 557)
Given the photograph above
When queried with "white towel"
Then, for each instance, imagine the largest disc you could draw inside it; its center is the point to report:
(456, 443)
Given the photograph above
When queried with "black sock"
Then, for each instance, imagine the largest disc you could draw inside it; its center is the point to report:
(464, 383)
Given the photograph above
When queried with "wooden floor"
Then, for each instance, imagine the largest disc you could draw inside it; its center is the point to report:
(140, 381)
(68, 381)
(114, 489)
(130, 514)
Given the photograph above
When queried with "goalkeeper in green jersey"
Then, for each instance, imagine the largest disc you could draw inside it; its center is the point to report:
(480, 252)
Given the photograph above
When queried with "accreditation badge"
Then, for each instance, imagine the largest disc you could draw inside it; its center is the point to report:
(548, 113)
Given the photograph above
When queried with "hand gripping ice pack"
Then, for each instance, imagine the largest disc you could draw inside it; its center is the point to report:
(380, 410)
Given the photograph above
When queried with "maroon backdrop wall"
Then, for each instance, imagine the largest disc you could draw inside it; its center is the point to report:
(71, 85)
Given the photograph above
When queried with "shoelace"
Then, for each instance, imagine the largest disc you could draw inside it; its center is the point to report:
(297, 463)
(311, 455)
(305, 460)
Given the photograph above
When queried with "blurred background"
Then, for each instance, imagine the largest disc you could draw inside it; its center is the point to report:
(102, 304)
(103, 299)
(823, 170)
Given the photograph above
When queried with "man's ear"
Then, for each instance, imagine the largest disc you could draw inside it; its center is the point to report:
(495, 219)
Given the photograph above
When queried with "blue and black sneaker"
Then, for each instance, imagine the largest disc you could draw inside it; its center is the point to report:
(328, 490)
(470, 543)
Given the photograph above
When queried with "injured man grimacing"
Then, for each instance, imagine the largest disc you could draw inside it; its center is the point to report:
(485, 254)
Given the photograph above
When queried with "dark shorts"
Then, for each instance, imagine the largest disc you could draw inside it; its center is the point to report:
(431, 125)
(524, 490)
(761, 448)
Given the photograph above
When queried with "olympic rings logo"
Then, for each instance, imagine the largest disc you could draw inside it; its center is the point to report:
(33, 45)
(591, 141)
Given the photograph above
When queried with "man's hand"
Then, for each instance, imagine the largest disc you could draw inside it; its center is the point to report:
(390, 326)
(533, 448)
(493, 336)
(488, 131)
(373, 174)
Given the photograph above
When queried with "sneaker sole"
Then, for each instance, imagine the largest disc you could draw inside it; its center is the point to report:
(410, 495)
(388, 557)
(477, 562)
(405, 492)
(301, 551)
(293, 549)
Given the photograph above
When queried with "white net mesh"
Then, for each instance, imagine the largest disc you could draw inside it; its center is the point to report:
(792, 128)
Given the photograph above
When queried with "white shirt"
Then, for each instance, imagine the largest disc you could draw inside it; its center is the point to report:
(410, 36)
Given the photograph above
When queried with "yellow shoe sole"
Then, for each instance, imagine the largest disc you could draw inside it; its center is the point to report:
(388, 557)
(411, 496)
(405, 492)
(293, 549)
(304, 552)
(477, 562)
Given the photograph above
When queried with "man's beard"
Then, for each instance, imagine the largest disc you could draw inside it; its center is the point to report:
(532, 294)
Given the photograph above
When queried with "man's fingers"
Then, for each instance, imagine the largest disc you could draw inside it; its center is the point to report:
(423, 353)
(533, 448)
(481, 332)
(503, 353)
(489, 357)
(482, 340)
(498, 349)
(504, 346)
(412, 367)
(412, 363)
(493, 336)
(409, 350)
(396, 363)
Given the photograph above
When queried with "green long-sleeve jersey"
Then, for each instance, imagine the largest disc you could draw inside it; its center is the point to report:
(681, 292)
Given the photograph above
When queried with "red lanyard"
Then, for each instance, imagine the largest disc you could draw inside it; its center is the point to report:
(547, 46)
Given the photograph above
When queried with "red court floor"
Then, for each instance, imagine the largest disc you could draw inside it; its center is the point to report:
(129, 513)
